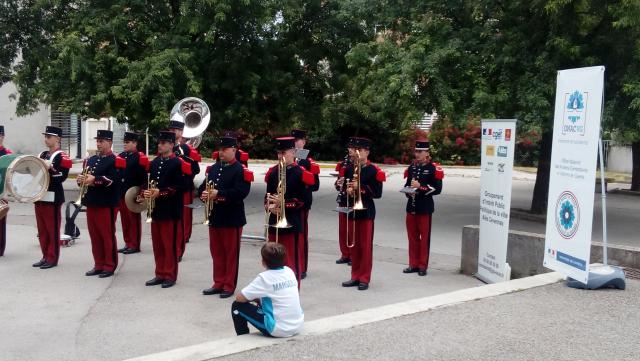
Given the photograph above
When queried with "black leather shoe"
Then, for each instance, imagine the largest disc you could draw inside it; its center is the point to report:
(167, 284)
(363, 286)
(225, 294)
(211, 291)
(154, 282)
(39, 263)
(105, 274)
(47, 265)
(303, 275)
(94, 272)
(410, 270)
(180, 259)
(123, 250)
(422, 272)
(131, 251)
(350, 283)
(342, 260)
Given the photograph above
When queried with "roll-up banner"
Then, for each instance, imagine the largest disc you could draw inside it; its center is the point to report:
(498, 142)
(576, 131)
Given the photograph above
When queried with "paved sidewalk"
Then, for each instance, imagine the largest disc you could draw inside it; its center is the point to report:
(545, 323)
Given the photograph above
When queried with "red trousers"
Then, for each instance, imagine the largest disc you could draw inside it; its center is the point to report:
(3, 235)
(224, 244)
(345, 252)
(362, 251)
(186, 222)
(165, 241)
(101, 222)
(131, 226)
(294, 244)
(48, 219)
(305, 245)
(419, 235)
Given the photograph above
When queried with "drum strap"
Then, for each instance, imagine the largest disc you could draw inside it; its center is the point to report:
(50, 196)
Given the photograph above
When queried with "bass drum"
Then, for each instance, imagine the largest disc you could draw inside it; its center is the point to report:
(24, 178)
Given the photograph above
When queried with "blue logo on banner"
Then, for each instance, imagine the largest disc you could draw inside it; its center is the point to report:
(571, 261)
(576, 101)
(567, 215)
(574, 118)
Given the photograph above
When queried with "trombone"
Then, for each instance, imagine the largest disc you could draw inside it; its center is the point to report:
(83, 185)
(208, 203)
(357, 205)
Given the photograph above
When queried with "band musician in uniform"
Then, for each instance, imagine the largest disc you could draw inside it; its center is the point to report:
(100, 179)
(424, 178)
(229, 183)
(48, 209)
(286, 188)
(134, 175)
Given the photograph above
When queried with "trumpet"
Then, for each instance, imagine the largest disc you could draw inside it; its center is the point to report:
(151, 202)
(208, 203)
(83, 186)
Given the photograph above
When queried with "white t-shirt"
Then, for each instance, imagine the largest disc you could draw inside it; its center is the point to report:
(277, 290)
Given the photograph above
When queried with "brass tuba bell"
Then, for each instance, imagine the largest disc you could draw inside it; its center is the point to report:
(195, 115)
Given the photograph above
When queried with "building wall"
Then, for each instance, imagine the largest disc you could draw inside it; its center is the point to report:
(22, 134)
(619, 159)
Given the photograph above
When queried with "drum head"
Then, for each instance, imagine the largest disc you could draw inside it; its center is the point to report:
(27, 178)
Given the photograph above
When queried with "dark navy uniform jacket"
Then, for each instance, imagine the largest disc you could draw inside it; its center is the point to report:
(233, 182)
(169, 174)
(430, 176)
(370, 189)
(297, 181)
(311, 166)
(58, 173)
(135, 173)
(341, 168)
(105, 192)
(191, 156)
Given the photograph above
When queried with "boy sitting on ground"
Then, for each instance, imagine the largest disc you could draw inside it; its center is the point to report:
(278, 312)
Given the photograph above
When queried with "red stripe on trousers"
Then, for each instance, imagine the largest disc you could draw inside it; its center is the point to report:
(294, 244)
(305, 246)
(164, 238)
(3, 235)
(419, 235)
(362, 251)
(345, 252)
(131, 226)
(48, 219)
(224, 244)
(101, 222)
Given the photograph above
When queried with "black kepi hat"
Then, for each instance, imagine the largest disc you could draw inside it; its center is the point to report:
(51, 130)
(167, 136)
(359, 142)
(130, 136)
(104, 134)
(299, 133)
(174, 124)
(227, 142)
(422, 145)
(284, 143)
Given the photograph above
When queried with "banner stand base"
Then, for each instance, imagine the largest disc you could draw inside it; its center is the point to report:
(601, 277)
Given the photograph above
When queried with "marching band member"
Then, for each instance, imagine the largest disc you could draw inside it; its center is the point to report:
(311, 166)
(426, 178)
(366, 187)
(241, 155)
(134, 175)
(3, 221)
(296, 179)
(229, 184)
(48, 209)
(191, 156)
(341, 187)
(102, 199)
(167, 173)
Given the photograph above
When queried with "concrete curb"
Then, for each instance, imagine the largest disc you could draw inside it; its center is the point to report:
(233, 345)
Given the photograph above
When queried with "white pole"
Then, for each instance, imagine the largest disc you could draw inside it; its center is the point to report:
(604, 204)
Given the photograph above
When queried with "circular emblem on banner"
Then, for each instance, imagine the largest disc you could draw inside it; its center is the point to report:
(567, 215)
